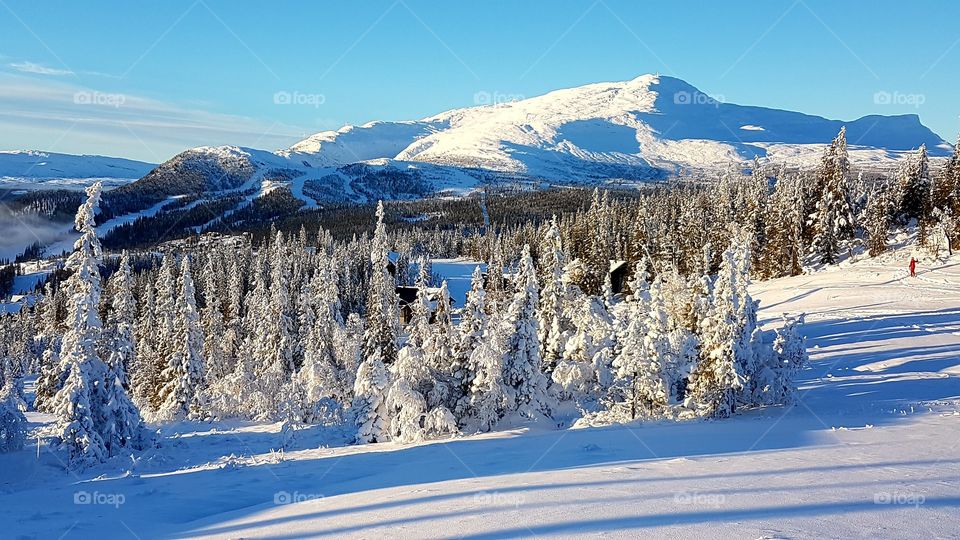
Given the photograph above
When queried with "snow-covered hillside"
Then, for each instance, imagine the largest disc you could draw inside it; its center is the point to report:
(870, 451)
(647, 128)
(634, 129)
(27, 169)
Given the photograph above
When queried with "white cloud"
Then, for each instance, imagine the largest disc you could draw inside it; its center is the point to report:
(53, 115)
(38, 69)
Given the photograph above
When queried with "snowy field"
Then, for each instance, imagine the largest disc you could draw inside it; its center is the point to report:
(872, 450)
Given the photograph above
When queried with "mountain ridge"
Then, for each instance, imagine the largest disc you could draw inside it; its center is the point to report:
(634, 123)
(647, 128)
(35, 169)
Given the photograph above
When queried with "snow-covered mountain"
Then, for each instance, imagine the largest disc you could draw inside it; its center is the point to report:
(24, 169)
(646, 128)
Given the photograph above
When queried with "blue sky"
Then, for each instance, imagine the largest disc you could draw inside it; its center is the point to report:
(148, 79)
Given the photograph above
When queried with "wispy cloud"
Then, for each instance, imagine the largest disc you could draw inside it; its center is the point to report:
(39, 69)
(34, 112)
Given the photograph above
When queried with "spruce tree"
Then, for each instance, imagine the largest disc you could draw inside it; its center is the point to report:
(122, 421)
(716, 379)
(655, 379)
(629, 361)
(915, 189)
(834, 217)
(527, 386)
(214, 359)
(878, 219)
(182, 396)
(121, 322)
(83, 405)
(551, 311)
(13, 424)
(144, 376)
(165, 343)
(488, 396)
(369, 406)
(382, 315)
(470, 334)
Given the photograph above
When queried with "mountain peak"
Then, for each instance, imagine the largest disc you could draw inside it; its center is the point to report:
(643, 127)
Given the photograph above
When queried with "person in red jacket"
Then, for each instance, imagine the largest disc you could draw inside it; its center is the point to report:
(913, 267)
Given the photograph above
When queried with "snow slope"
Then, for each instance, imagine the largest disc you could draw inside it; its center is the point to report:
(29, 169)
(870, 451)
(633, 129)
(649, 127)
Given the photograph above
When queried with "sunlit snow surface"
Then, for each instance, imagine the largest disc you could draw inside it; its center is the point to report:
(30, 170)
(870, 451)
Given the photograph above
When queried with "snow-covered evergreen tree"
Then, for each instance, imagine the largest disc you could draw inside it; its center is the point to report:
(165, 319)
(183, 394)
(323, 373)
(551, 311)
(526, 385)
(123, 426)
(878, 218)
(654, 377)
(629, 360)
(369, 407)
(52, 374)
(943, 230)
(381, 331)
(407, 408)
(585, 372)
(488, 399)
(774, 380)
(121, 322)
(144, 375)
(82, 405)
(915, 188)
(13, 424)
(211, 317)
(716, 379)
(470, 333)
(77, 403)
(273, 339)
(439, 353)
(834, 216)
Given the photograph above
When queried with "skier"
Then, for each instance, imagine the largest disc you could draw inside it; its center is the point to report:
(913, 267)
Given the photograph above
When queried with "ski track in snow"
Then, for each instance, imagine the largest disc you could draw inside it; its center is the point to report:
(66, 245)
(869, 451)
